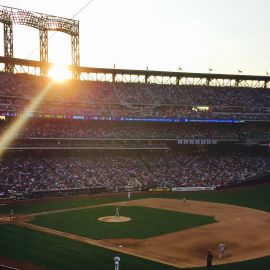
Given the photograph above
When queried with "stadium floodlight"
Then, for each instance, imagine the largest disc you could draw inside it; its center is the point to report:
(44, 23)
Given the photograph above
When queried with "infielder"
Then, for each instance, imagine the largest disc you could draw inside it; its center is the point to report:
(129, 195)
(116, 262)
(11, 215)
(221, 247)
(117, 212)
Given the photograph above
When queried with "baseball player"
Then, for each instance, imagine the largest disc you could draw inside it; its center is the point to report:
(116, 262)
(129, 195)
(11, 215)
(221, 248)
(209, 260)
(117, 212)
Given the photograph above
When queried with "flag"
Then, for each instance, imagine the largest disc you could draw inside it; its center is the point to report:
(267, 74)
(240, 71)
(113, 65)
(210, 69)
(146, 67)
(179, 69)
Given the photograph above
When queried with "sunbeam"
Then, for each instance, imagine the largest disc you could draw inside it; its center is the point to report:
(9, 136)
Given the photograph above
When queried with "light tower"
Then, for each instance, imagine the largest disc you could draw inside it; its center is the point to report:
(44, 23)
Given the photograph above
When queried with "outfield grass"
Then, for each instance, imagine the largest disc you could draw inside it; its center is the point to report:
(22, 207)
(257, 197)
(145, 222)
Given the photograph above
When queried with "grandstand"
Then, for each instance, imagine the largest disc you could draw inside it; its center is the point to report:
(109, 136)
(117, 130)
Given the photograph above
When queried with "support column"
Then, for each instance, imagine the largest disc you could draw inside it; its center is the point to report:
(75, 54)
(43, 47)
(8, 45)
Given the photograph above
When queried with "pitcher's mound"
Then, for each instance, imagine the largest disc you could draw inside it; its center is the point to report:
(114, 219)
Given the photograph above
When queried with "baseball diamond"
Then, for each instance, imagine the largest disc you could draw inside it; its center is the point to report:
(182, 249)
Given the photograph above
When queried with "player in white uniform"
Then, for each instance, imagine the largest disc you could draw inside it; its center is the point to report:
(221, 248)
(116, 262)
(116, 212)
(129, 195)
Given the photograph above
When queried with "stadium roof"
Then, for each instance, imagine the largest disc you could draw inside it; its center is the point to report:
(147, 76)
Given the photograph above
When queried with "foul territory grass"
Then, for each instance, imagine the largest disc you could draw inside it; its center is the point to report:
(145, 222)
(58, 253)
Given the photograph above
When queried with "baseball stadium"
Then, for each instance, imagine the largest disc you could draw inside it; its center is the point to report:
(129, 169)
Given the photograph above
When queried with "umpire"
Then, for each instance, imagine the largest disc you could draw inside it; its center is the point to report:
(209, 260)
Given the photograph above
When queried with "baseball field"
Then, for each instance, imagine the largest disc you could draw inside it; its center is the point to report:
(158, 231)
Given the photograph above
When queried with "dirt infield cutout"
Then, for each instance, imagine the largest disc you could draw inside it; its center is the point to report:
(114, 219)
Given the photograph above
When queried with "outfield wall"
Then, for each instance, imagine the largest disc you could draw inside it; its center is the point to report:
(192, 188)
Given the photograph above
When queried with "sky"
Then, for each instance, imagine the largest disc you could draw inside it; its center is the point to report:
(194, 35)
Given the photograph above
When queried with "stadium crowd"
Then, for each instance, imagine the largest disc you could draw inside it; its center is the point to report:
(116, 171)
(42, 128)
(147, 169)
(135, 100)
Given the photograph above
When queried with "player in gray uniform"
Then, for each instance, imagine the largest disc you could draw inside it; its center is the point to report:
(221, 248)
(116, 262)
(116, 212)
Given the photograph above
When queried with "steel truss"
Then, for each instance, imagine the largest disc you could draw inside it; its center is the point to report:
(75, 56)
(144, 76)
(43, 45)
(44, 23)
(8, 44)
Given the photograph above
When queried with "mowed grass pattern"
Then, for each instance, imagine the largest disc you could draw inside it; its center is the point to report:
(145, 222)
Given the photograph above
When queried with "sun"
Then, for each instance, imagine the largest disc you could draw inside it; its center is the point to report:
(59, 73)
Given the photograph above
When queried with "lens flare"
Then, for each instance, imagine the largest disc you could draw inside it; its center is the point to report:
(59, 73)
(10, 134)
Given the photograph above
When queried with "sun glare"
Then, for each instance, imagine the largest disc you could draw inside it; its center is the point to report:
(59, 73)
